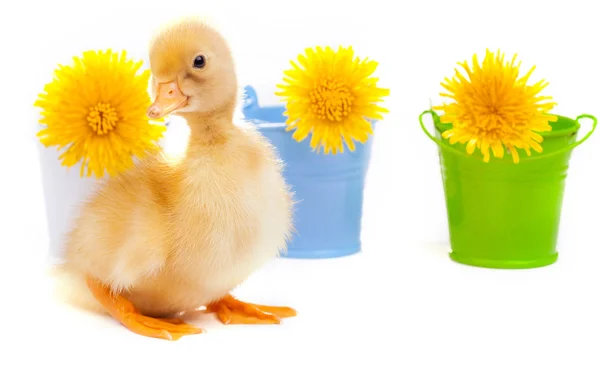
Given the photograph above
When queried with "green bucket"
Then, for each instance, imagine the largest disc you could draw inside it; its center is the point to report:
(501, 214)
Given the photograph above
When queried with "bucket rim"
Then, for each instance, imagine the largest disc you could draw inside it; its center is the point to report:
(270, 117)
(562, 132)
(266, 125)
(263, 125)
(573, 128)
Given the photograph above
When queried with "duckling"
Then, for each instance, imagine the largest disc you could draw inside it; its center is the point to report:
(167, 237)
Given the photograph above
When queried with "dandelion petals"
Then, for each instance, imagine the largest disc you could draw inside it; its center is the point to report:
(95, 108)
(491, 106)
(332, 98)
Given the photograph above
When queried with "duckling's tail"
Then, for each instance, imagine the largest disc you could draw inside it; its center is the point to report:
(69, 287)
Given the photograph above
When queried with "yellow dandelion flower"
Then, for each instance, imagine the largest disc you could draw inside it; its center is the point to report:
(331, 95)
(96, 110)
(495, 109)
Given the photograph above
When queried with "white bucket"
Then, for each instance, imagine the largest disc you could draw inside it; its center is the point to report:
(65, 190)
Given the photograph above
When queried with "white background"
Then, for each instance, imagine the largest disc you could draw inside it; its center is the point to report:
(400, 302)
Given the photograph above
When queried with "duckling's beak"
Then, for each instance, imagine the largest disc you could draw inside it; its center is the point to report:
(168, 99)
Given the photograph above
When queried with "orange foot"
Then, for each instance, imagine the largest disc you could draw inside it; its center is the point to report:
(233, 311)
(124, 311)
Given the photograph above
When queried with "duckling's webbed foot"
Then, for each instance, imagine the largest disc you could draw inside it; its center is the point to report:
(230, 310)
(125, 312)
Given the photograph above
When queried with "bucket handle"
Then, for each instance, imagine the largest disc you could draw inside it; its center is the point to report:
(462, 153)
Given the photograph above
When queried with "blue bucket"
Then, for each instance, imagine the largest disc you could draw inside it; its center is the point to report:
(328, 189)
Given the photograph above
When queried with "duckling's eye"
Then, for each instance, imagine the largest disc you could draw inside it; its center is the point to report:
(199, 62)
